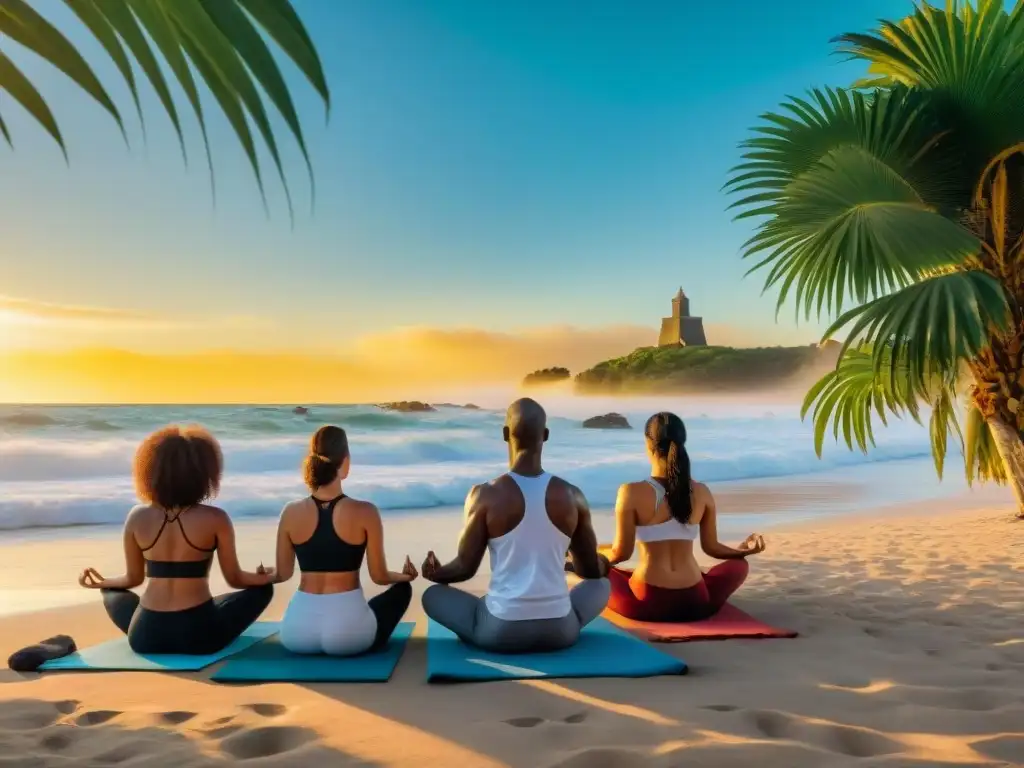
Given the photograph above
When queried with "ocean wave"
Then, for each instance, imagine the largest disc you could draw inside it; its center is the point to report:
(27, 420)
(419, 486)
(66, 466)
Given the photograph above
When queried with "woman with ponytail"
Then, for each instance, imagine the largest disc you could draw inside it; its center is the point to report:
(666, 513)
(328, 533)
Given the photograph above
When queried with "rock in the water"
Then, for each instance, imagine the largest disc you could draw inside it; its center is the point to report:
(299, 410)
(607, 421)
(466, 407)
(407, 406)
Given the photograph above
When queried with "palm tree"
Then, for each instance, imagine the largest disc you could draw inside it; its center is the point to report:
(896, 206)
(214, 43)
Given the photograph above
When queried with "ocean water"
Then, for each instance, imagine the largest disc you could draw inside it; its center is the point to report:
(71, 465)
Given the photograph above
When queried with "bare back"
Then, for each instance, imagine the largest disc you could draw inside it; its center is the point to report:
(175, 537)
(669, 563)
(352, 522)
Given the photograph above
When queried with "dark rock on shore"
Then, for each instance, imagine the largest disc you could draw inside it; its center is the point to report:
(607, 421)
(407, 406)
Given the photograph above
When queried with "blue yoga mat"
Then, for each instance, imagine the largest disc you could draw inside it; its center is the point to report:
(116, 656)
(270, 662)
(603, 650)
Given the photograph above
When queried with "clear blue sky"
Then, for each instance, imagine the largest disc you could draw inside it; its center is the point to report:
(485, 164)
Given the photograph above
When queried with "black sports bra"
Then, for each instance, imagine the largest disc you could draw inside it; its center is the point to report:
(325, 551)
(178, 569)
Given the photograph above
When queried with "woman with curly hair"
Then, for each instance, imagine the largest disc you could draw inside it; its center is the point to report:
(171, 539)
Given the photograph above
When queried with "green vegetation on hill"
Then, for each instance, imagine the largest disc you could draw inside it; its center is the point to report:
(654, 369)
(546, 376)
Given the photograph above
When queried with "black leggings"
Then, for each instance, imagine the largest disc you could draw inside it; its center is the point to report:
(389, 607)
(207, 628)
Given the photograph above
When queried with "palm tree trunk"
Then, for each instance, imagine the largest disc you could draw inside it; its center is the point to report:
(1011, 450)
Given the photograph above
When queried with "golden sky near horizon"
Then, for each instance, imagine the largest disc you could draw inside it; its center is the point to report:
(69, 354)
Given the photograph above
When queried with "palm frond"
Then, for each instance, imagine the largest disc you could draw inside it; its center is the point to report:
(968, 57)
(854, 195)
(972, 51)
(23, 24)
(849, 398)
(20, 88)
(981, 457)
(929, 326)
(216, 39)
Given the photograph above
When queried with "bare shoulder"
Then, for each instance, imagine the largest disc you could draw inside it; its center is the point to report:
(209, 515)
(700, 488)
(292, 507)
(139, 512)
(701, 492)
(561, 485)
(630, 490)
(365, 510)
(486, 491)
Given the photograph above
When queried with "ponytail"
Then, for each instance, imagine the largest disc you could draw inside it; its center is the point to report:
(327, 452)
(666, 435)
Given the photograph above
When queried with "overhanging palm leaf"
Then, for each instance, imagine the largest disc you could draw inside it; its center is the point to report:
(909, 200)
(217, 38)
(853, 194)
(930, 325)
(850, 397)
(981, 457)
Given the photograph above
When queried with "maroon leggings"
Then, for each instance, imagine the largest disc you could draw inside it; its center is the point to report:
(645, 602)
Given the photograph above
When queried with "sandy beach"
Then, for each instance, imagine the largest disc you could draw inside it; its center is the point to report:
(911, 653)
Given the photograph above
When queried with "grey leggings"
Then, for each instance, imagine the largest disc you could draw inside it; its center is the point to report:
(467, 616)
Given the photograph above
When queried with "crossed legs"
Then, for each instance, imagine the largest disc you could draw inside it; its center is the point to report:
(467, 616)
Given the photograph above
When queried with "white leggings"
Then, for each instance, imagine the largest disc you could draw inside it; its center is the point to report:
(340, 624)
(343, 623)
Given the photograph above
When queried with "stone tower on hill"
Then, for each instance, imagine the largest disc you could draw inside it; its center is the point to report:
(681, 330)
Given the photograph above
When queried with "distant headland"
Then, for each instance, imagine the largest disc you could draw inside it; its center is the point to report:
(683, 361)
(546, 376)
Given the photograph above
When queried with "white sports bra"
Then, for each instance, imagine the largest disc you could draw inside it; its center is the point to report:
(671, 529)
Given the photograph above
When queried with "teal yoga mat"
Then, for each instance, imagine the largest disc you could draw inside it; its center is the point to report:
(116, 656)
(269, 662)
(603, 650)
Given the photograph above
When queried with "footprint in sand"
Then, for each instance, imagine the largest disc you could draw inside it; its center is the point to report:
(122, 753)
(97, 717)
(59, 739)
(32, 714)
(176, 717)
(774, 725)
(222, 731)
(267, 710)
(842, 739)
(855, 742)
(721, 707)
(266, 741)
(1008, 748)
(532, 722)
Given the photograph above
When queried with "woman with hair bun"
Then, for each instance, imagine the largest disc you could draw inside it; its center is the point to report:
(170, 539)
(329, 533)
(666, 513)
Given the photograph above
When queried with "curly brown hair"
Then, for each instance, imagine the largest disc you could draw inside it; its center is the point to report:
(178, 467)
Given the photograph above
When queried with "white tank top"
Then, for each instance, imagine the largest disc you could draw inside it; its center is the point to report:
(528, 562)
(671, 529)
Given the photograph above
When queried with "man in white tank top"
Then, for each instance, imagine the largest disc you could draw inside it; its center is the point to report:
(528, 520)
